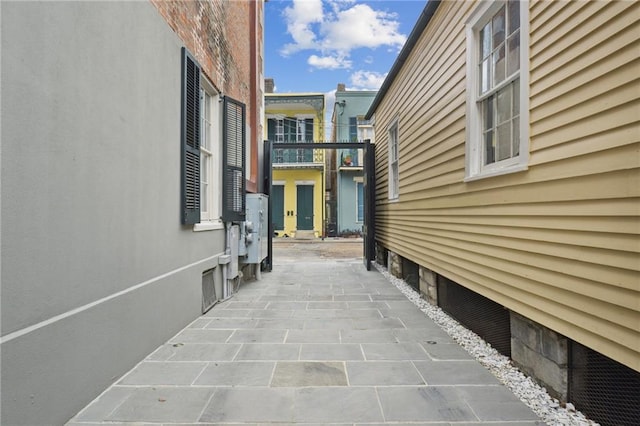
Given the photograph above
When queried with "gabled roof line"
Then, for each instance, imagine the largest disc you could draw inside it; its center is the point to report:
(423, 21)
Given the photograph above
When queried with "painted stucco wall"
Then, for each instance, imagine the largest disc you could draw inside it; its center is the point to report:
(96, 269)
(356, 104)
(292, 105)
(347, 201)
(289, 178)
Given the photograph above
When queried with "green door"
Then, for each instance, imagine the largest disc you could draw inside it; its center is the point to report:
(277, 200)
(305, 208)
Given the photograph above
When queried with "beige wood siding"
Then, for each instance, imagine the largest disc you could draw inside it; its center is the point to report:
(558, 243)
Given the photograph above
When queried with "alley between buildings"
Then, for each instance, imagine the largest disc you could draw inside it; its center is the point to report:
(318, 340)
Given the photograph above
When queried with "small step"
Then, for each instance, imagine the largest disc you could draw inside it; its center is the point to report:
(305, 235)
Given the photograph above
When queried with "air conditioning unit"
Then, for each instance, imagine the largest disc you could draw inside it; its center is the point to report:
(256, 227)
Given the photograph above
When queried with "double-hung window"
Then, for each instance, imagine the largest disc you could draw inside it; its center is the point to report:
(394, 178)
(210, 154)
(365, 132)
(205, 133)
(497, 89)
(353, 129)
(279, 132)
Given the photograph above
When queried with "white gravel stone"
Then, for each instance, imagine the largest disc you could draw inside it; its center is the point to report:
(533, 395)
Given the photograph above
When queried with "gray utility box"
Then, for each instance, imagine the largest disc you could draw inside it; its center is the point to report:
(257, 228)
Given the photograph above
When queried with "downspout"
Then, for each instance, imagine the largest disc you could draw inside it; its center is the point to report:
(225, 266)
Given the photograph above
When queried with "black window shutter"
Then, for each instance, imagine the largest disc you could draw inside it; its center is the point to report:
(308, 128)
(190, 139)
(271, 129)
(234, 161)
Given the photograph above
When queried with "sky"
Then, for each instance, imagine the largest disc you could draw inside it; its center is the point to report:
(312, 45)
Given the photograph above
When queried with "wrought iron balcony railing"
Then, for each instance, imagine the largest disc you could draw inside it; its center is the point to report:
(298, 156)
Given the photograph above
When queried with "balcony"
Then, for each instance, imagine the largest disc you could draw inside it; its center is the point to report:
(298, 158)
(350, 159)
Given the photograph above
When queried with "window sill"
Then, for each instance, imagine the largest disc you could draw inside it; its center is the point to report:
(208, 226)
(497, 172)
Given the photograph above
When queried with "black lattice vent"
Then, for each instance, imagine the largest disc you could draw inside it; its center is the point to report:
(483, 316)
(382, 255)
(603, 389)
(410, 273)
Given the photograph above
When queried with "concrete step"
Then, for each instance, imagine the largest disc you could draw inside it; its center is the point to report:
(305, 235)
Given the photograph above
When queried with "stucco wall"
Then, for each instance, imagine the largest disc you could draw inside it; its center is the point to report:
(348, 104)
(347, 201)
(290, 177)
(96, 269)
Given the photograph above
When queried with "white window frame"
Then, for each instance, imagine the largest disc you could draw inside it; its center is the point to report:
(474, 167)
(279, 132)
(365, 131)
(300, 129)
(394, 163)
(210, 159)
(359, 181)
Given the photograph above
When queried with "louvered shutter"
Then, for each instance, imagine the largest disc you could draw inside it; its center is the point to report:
(190, 139)
(271, 129)
(308, 129)
(233, 140)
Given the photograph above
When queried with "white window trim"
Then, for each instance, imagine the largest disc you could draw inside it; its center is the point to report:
(211, 220)
(474, 169)
(359, 181)
(394, 195)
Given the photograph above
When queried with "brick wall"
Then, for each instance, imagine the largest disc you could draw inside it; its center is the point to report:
(216, 32)
(226, 37)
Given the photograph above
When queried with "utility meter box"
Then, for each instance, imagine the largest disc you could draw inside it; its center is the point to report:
(257, 229)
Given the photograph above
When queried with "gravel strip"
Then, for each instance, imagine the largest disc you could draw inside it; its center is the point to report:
(529, 392)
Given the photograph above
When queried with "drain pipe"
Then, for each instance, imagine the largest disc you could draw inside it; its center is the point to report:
(225, 260)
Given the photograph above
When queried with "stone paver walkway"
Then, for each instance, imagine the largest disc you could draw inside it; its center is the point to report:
(313, 342)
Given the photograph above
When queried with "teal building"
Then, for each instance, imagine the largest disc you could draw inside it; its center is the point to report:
(349, 125)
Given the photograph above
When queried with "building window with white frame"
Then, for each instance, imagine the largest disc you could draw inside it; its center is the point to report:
(359, 202)
(365, 129)
(365, 132)
(497, 89)
(210, 178)
(394, 185)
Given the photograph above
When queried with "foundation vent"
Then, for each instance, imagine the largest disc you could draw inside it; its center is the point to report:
(483, 316)
(208, 290)
(603, 389)
(411, 274)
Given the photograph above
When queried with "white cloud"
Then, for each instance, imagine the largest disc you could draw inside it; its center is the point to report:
(299, 19)
(361, 26)
(336, 31)
(329, 62)
(367, 80)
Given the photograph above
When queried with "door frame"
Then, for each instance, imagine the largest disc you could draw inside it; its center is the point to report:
(369, 191)
(307, 183)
